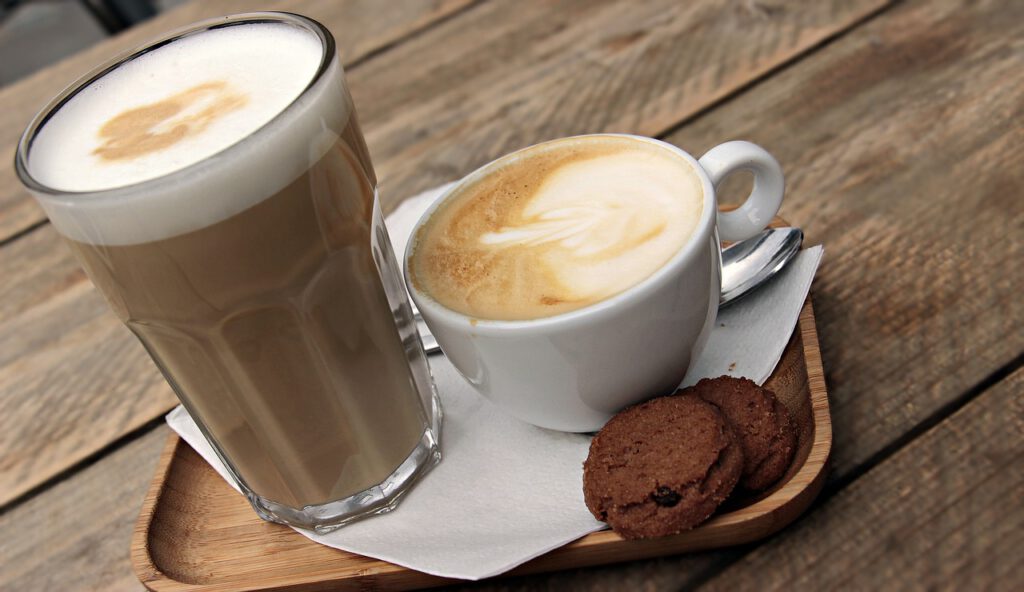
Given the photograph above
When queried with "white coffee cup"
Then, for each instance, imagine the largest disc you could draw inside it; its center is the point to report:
(573, 371)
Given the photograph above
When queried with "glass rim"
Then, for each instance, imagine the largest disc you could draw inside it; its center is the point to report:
(24, 148)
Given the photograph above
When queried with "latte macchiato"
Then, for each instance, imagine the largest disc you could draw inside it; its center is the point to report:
(558, 227)
(224, 203)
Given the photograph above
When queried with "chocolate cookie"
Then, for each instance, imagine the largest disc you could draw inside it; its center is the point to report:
(661, 467)
(762, 424)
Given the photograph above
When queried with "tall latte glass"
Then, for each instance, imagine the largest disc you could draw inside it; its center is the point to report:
(216, 187)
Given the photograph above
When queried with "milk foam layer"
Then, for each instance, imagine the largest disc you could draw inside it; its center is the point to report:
(178, 105)
(560, 229)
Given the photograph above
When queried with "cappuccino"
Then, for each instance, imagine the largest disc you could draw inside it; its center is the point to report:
(557, 227)
(218, 191)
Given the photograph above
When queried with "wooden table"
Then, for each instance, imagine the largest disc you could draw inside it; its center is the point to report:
(900, 126)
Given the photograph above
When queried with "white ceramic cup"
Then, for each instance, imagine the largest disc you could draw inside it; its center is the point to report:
(573, 371)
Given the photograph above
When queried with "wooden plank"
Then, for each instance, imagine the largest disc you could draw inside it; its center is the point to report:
(429, 108)
(902, 143)
(76, 534)
(510, 73)
(360, 26)
(944, 513)
(56, 413)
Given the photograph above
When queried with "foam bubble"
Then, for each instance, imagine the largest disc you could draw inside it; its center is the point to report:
(182, 104)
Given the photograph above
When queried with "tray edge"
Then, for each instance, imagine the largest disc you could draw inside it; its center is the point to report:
(142, 563)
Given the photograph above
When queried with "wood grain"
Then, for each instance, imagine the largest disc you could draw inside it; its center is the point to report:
(73, 378)
(76, 534)
(196, 533)
(512, 73)
(360, 27)
(489, 79)
(55, 413)
(944, 513)
(506, 74)
(901, 143)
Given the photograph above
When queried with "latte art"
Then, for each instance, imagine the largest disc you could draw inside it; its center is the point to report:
(563, 226)
(157, 126)
(583, 231)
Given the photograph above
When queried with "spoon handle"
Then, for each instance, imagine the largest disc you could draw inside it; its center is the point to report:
(750, 263)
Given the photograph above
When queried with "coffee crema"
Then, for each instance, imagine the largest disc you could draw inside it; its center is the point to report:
(558, 227)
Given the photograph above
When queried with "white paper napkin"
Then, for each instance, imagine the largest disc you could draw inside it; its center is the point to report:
(751, 334)
(506, 491)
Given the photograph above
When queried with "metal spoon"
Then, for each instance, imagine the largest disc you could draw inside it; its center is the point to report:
(749, 263)
(745, 266)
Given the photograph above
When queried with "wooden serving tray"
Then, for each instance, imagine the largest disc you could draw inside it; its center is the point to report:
(196, 533)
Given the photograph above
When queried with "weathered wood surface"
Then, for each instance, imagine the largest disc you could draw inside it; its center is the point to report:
(433, 108)
(75, 536)
(511, 73)
(504, 74)
(360, 26)
(944, 513)
(73, 378)
(902, 145)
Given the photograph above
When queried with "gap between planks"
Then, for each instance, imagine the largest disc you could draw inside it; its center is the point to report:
(24, 232)
(413, 34)
(780, 67)
(83, 464)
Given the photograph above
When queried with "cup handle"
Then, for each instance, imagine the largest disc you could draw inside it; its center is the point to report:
(762, 203)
